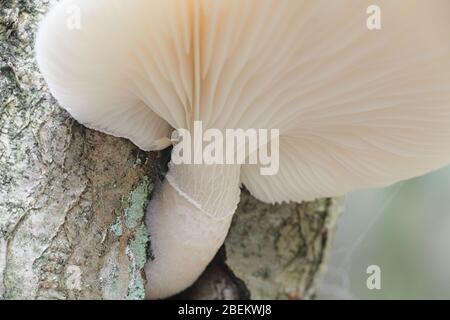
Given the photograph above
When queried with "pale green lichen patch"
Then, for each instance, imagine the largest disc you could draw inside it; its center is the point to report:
(112, 279)
(138, 162)
(130, 228)
(138, 247)
(136, 252)
(116, 228)
(138, 201)
(137, 292)
(109, 276)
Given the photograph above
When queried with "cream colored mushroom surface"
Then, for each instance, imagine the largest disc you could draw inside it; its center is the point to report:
(355, 107)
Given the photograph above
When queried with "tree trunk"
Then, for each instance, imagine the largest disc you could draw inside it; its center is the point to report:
(72, 202)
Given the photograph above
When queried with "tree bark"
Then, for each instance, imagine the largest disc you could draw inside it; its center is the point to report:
(72, 202)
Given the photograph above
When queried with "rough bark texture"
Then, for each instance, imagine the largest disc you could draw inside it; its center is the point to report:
(71, 199)
(279, 251)
(72, 202)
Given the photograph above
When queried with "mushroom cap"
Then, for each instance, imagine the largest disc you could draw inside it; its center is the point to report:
(355, 108)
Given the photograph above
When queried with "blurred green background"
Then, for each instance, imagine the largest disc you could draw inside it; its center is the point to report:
(405, 230)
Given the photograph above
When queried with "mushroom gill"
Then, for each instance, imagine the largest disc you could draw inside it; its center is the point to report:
(355, 108)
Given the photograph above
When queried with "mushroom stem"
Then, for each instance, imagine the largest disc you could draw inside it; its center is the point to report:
(188, 219)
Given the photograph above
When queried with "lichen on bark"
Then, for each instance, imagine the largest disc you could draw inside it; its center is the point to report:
(280, 251)
(62, 186)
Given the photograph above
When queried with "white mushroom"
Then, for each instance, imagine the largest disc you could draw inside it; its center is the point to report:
(355, 108)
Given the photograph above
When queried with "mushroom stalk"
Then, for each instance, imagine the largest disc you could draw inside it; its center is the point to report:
(188, 219)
